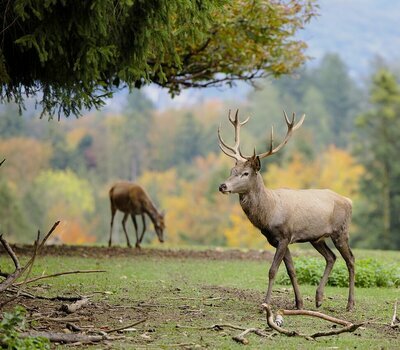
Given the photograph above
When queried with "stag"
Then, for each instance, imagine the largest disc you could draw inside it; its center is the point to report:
(131, 199)
(286, 216)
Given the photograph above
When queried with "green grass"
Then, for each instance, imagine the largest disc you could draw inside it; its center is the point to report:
(202, 293)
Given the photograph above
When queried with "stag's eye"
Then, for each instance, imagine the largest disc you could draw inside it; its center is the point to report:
(245, 174)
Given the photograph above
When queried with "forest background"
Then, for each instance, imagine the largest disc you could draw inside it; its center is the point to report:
(349, 143)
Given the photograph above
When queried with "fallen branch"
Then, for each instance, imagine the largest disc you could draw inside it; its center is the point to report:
(9, 281)
(71, 308)
(214, 327)
(34, 296)
(58, 274)
(315, 314)
(125, 327)
(241, 339)
(350, 327)
(69, 337)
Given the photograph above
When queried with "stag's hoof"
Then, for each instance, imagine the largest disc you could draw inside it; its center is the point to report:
(350, 306)
(299, 305)
(137, 246)
(318, 299)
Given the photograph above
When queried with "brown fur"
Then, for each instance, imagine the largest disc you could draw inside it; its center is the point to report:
(131, 199)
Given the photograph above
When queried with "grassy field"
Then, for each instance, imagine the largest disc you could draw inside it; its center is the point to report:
(189, 292)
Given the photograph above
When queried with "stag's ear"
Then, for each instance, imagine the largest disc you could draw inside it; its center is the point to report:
(255, 162)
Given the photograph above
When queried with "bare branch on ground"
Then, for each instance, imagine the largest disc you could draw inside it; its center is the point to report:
(71, 308)
(350, 327)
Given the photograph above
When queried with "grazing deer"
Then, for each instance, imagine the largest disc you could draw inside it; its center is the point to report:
(287, 216)
(132, 199)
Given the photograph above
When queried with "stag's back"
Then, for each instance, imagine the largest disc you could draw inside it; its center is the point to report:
(310, 212)
(129, 197)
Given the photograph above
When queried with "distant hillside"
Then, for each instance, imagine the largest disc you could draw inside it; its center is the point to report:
(358, 30)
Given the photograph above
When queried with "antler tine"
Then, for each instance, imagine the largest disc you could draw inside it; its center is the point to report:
(235, 150)
(291, 127)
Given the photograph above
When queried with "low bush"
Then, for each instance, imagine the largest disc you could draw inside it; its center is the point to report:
(11, 324)
(369, 273)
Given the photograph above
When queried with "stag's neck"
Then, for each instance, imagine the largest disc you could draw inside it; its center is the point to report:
(258, 204)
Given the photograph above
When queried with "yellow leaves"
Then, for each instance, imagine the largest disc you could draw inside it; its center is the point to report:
(241, 233)
(341, 173)
(67, 188)
(335, 169)
(26, 157)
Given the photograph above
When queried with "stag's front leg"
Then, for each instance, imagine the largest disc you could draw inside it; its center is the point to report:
(281, 249)
(292, 275)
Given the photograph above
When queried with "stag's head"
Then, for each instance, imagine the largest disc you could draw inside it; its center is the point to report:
(159, 226)
(244, 173)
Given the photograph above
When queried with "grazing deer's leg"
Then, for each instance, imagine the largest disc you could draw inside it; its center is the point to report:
(113, 211)
(137, 245)
(341, 242)
(279, 254)
(144, 228)
(292, 275)
(123, 226)
(330, 259)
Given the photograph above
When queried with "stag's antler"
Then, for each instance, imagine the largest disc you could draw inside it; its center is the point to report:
(291, 127)
(234, 151)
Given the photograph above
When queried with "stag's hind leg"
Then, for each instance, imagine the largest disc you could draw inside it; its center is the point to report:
(341, 242)
(330, 259)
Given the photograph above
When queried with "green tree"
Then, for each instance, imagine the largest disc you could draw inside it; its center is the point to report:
(378, 149)
(188, 139)
(13, 220)
(341, 96)
(78, 53)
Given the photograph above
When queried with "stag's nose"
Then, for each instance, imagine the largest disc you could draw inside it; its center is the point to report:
(222, 188)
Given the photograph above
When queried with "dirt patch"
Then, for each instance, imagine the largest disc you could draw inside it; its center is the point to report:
(105, 252)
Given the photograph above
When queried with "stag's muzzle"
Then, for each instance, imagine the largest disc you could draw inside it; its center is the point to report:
(223, 188)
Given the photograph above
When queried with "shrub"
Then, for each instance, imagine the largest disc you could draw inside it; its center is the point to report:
(369, 273)
(10, 325)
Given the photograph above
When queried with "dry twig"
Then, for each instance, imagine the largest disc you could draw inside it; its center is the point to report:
(350, 327)
(71, 308)
(58, 274)
(125, 327)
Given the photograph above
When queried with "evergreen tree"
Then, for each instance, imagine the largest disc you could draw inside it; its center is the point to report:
(378, 150)
(76, 53)
(341, 96)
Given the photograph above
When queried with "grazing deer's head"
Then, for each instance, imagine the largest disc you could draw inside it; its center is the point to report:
(159, 225)
(244, 173)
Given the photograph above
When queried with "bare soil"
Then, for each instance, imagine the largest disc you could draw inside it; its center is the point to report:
(101, 252)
